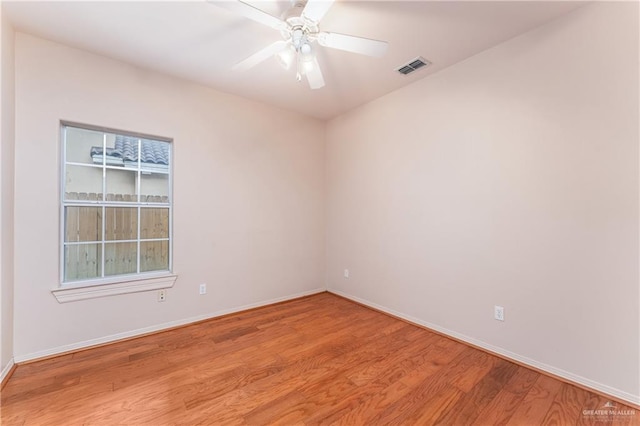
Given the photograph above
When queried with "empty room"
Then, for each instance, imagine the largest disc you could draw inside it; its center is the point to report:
(320, 212)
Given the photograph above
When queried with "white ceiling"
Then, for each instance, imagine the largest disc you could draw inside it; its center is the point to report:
(200, 41)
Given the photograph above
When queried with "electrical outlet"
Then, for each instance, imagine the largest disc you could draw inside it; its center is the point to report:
(203, 288)
(346, 273)
(498, 313)
(162, 295)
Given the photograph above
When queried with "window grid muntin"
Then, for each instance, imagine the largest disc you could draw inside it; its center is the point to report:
(104, 197)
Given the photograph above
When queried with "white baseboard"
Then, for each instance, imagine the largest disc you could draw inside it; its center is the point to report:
(5, 371)
(634, 399)
(159, 327)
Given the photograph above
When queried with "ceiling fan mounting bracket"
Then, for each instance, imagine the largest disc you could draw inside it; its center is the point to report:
(295, 20)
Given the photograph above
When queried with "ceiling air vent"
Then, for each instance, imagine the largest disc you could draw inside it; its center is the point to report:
(418, 62)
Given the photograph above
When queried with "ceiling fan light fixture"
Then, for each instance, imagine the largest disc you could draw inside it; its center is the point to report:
(305, 49)
(285, 57)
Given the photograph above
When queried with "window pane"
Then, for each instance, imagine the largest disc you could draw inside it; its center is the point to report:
(154, 223)
(83, 183)
(120, 258)
(154, 256)
(83, 223)
(154, 187)
(82, 262)
(85, 146)
(121, 185)
(121, 223)
(155, 156)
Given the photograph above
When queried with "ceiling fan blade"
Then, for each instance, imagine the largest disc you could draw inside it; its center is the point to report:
(253, 13)
(316, 9)
(364, 46)
(314, 75)
(260, 56)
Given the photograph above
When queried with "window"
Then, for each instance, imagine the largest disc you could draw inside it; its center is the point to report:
(116, 206)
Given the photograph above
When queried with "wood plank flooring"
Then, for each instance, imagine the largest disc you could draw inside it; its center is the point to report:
(317, 360)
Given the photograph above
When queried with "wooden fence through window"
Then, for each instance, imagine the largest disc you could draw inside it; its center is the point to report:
(84, 224)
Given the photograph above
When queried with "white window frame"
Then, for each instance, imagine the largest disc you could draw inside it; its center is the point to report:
(114, 284)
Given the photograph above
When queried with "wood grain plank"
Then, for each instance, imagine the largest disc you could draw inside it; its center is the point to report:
(567, 406)
(468, 408)
(536, 403)
(506, 402)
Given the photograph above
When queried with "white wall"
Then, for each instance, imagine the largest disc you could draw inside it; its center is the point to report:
(7, 116)
(248, 195)
(508, 179)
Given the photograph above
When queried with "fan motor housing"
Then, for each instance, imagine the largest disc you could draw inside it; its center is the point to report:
(293, 17)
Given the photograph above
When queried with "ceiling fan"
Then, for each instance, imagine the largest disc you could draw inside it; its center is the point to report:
(299, 27)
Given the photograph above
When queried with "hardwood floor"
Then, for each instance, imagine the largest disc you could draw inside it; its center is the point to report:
(317, 360)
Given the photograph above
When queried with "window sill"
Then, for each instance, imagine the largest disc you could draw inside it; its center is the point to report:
(72, 293)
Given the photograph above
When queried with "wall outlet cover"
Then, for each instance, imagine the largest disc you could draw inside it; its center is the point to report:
(498, 313)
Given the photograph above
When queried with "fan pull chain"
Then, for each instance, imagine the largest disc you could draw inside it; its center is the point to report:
(298, 65)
